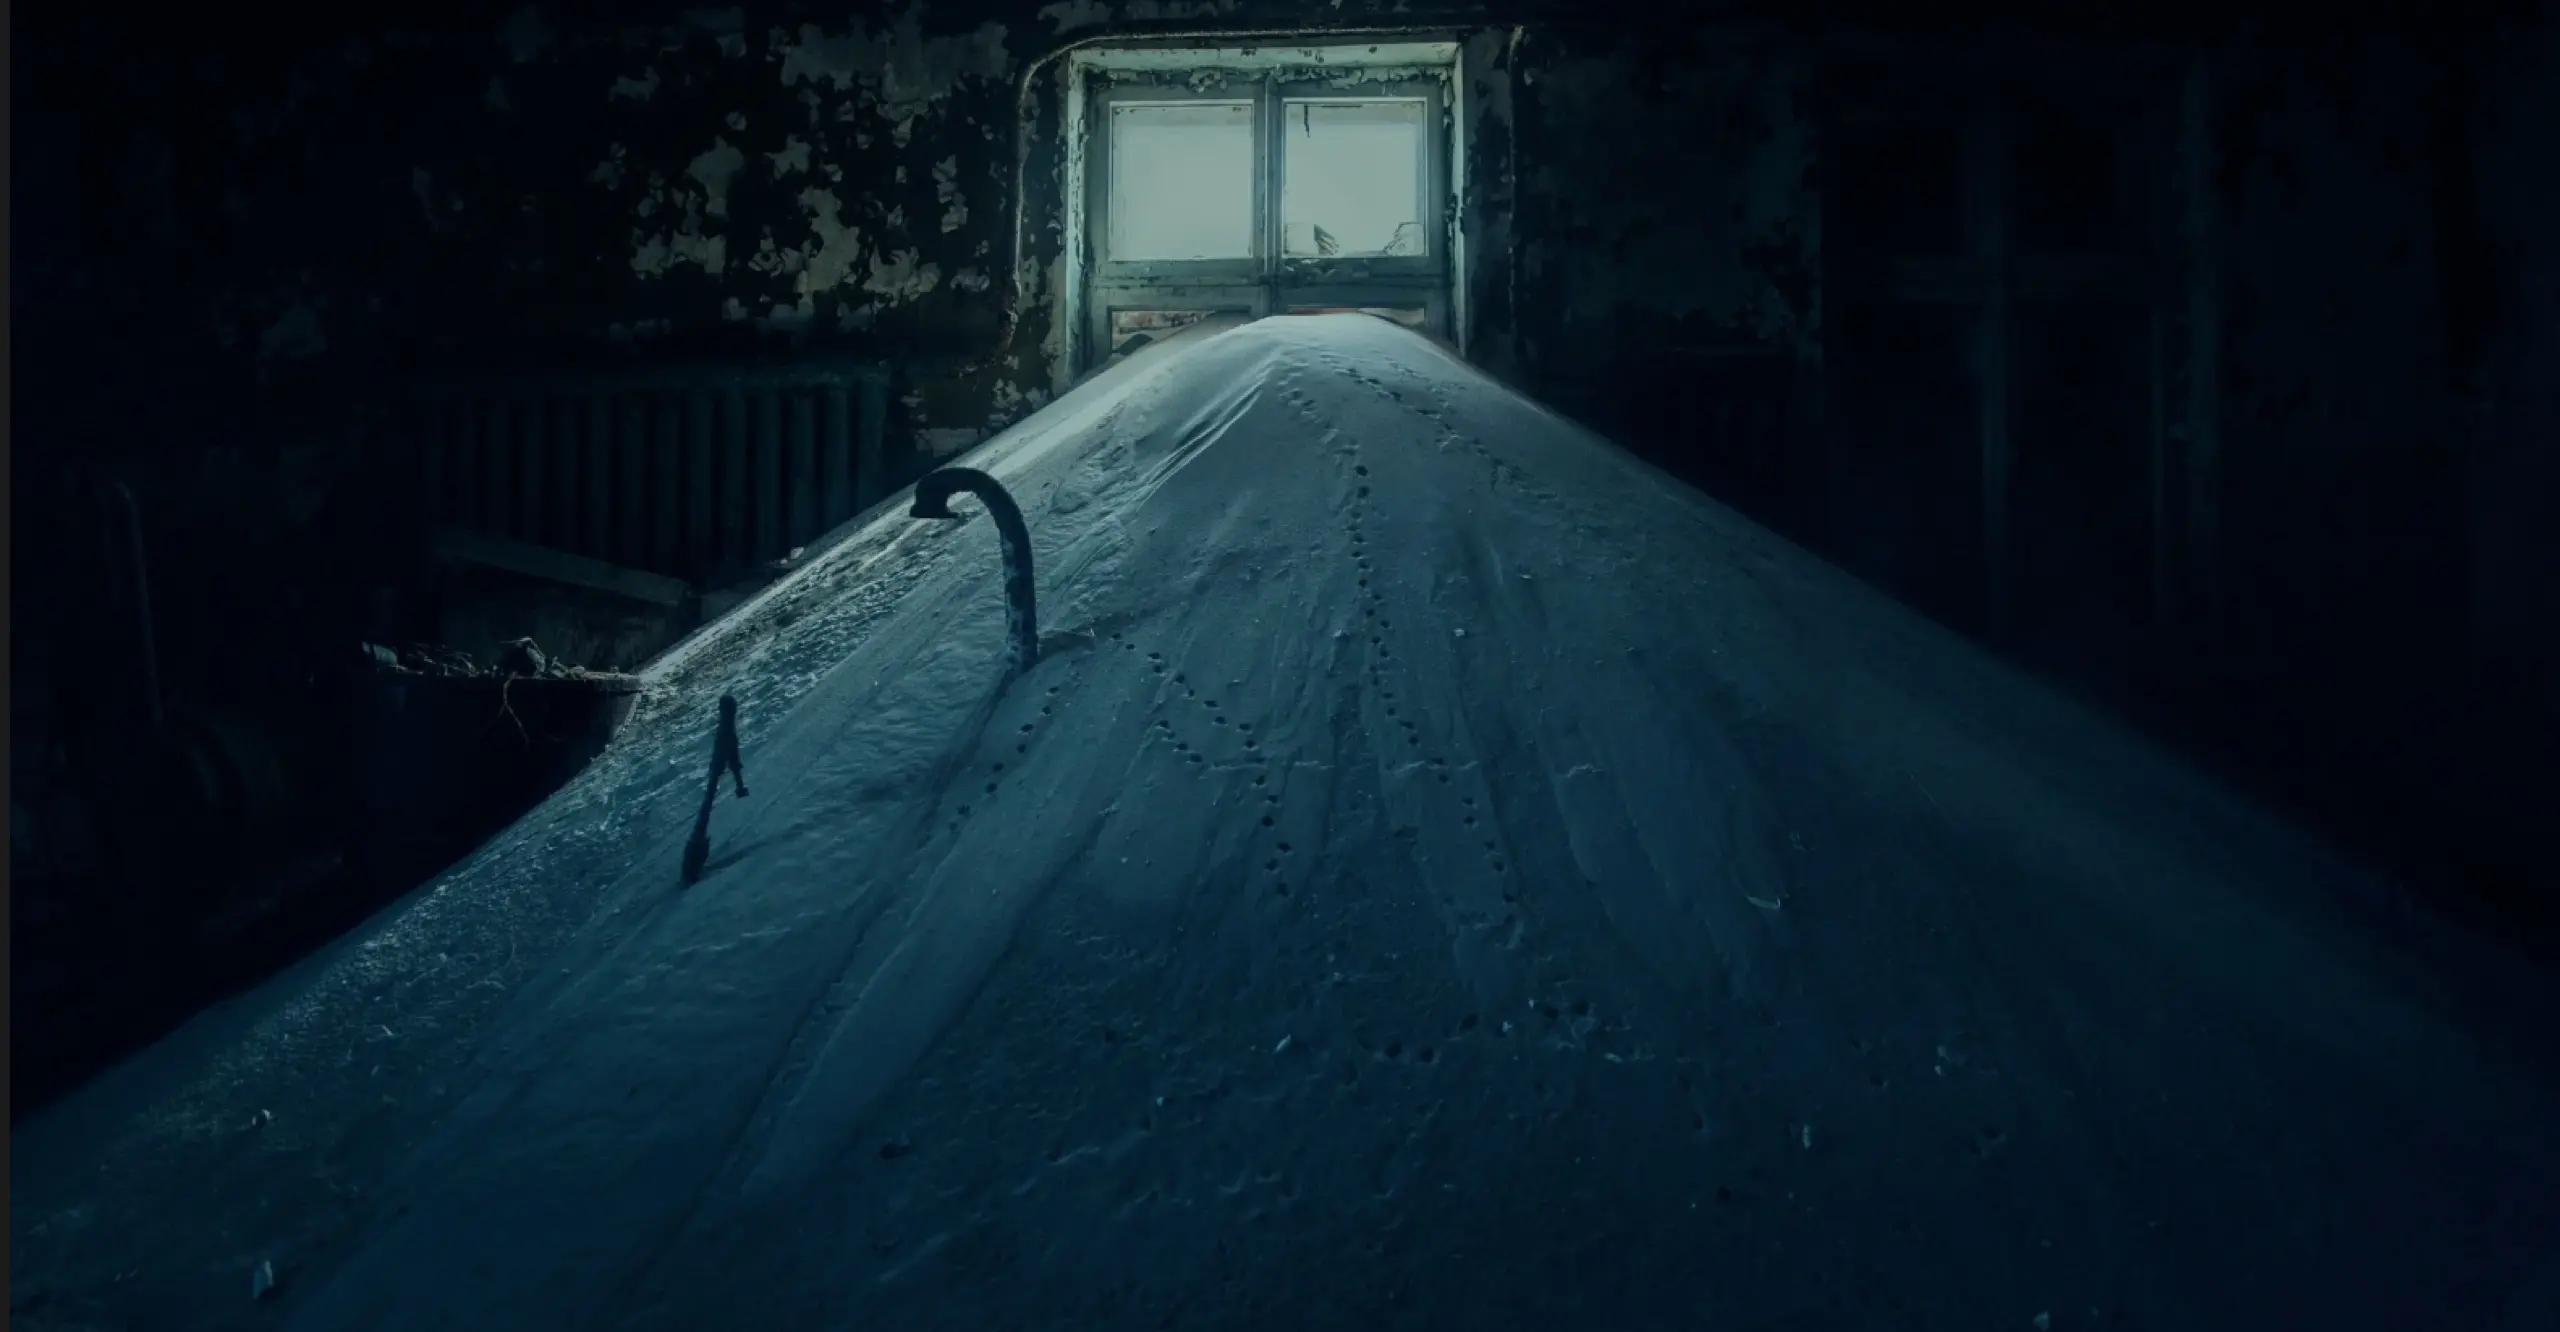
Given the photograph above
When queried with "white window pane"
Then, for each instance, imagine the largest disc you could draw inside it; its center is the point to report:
(1353, 176)
(1181, 181)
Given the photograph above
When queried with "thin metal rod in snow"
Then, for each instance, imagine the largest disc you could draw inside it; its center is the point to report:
(933, 500)
(724, 759)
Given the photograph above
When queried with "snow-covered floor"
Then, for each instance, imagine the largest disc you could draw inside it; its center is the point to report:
(1442, 875)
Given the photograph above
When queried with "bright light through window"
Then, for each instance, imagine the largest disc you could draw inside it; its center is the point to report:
(1353, 178)
(1181, 181)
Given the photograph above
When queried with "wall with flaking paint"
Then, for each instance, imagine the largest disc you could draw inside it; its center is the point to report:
(735, 173)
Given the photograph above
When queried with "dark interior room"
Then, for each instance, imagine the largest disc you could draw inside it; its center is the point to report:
(1239, 664)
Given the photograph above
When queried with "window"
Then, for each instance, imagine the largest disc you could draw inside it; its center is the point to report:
(1181, 183)
(1354, 178)
(1260, 182)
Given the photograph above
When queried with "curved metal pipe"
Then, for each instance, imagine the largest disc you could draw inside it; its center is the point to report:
(933, 500)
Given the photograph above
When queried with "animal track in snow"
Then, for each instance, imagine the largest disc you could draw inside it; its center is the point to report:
(1225, 726)
(988, 782)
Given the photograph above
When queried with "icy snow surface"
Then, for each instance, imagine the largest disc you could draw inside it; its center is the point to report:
(1441, 875)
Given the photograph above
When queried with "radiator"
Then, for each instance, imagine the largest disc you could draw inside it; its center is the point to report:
(691, 473)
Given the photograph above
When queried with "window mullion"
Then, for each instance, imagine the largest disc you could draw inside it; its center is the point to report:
(1269, 142)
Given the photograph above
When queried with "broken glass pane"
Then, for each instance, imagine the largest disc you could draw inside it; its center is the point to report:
(1181, 181)
(1353, 178)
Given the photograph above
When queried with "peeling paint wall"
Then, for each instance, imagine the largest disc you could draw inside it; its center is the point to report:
(807, 197)
(735, 173)
(589, 183)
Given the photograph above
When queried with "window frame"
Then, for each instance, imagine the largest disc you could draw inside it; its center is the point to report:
(1433, 262)
(1249, 298)
(1249, 268)
(1267, 281)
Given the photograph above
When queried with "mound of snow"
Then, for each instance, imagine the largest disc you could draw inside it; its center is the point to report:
(1440, 874)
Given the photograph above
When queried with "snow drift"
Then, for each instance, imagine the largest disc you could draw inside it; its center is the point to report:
(1438, 874)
